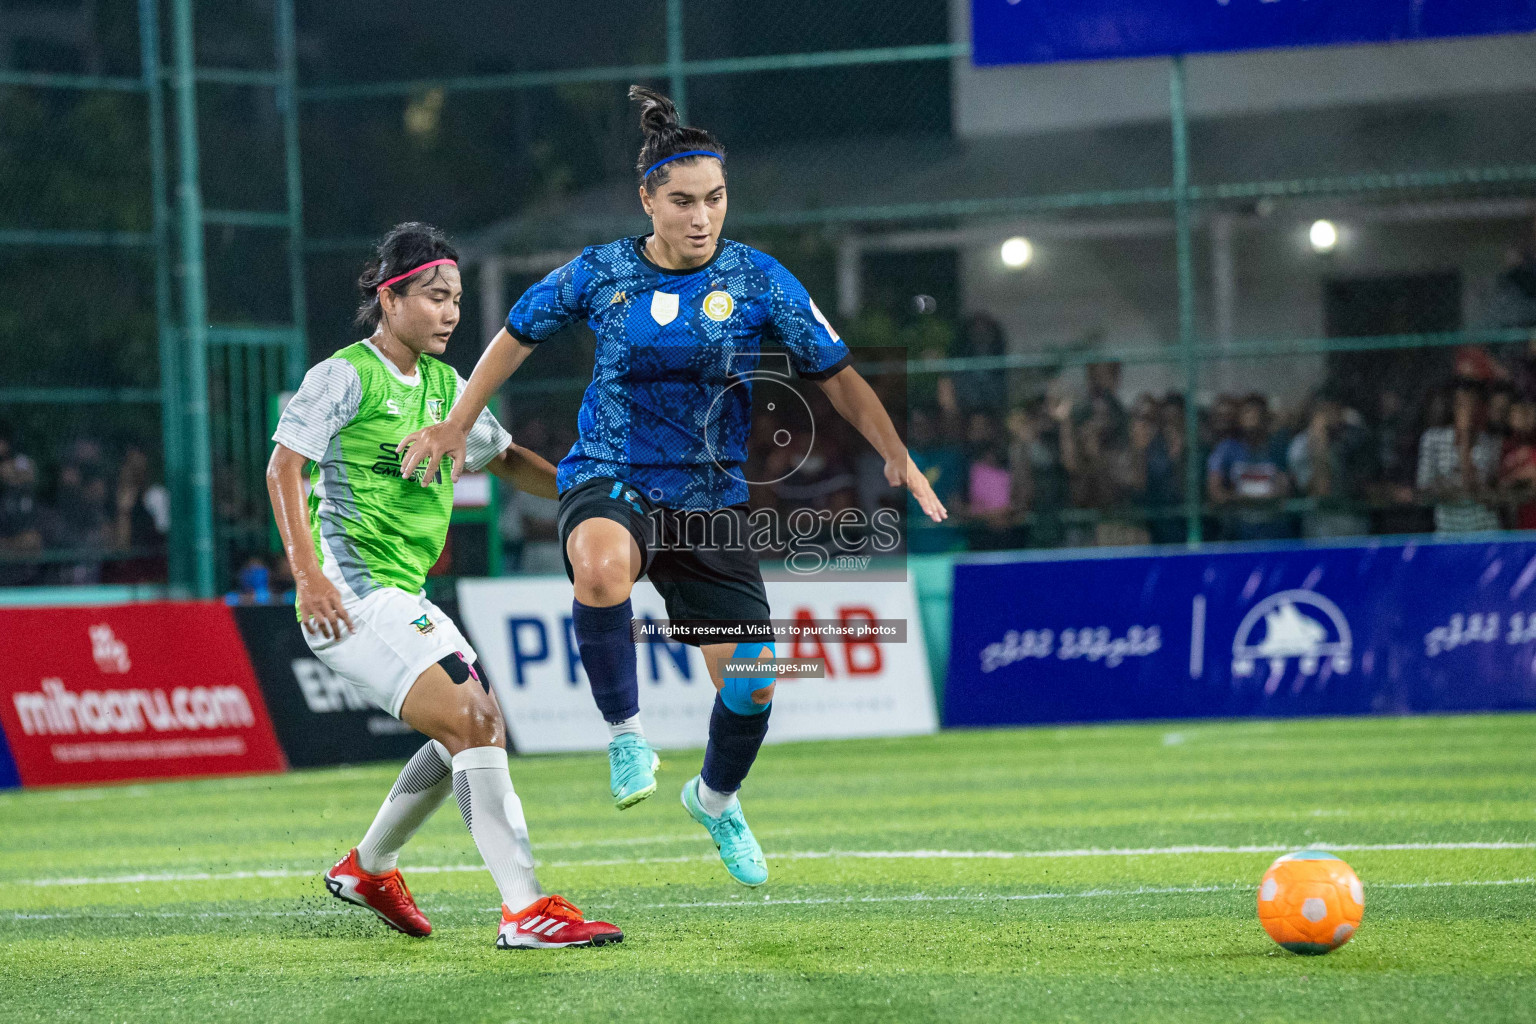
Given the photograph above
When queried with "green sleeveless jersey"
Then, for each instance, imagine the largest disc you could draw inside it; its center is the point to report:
(371, 527)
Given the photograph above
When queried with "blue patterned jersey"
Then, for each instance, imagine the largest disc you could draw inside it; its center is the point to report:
(669, 407)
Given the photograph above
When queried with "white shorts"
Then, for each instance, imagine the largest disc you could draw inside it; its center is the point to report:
(397, 636)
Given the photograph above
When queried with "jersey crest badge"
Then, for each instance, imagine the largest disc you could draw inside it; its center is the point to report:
(663, 307)
(718, 306)
(618, 297)
(423, 625)
(435, 409)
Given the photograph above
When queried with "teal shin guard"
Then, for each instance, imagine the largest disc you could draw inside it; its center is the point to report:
(737, 692)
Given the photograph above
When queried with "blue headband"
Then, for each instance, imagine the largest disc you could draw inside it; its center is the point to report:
(679, 156)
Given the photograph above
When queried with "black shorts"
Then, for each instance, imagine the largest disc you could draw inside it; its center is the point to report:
(698, 560)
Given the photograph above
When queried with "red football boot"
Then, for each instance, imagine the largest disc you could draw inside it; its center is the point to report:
(385, 895)
(550, 922)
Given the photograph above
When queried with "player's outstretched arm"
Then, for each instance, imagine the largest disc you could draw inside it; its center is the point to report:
(525, 470)
(449, 438)
(854, 400)
(318, 600)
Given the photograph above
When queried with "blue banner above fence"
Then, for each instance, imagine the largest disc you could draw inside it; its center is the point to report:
(1041, 31)
(1391, 628)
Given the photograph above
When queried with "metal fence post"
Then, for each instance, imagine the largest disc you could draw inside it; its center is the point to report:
(194, 303)
(679, 78)
(297, 351)
(172, 435)
(1189, 355)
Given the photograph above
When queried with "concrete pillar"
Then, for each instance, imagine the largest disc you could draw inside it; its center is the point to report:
(493, 301)
(850, 276)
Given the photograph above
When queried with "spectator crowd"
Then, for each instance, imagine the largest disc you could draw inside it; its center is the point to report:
(1053, 472)
(99, 515)
(1367, 454)
(1046, 472)
(1019, 463)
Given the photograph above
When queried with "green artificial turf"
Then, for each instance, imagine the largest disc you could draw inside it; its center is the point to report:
(851, 926)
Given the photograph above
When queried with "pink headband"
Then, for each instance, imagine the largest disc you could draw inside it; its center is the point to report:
(411, 273)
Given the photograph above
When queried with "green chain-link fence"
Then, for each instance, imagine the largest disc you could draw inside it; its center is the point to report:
(195, 199)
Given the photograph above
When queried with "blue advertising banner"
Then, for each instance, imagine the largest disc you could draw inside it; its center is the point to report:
(1041, 31)
(9, 777)
(1384, 628)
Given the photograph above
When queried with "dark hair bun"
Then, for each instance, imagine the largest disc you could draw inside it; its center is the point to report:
(658, 114)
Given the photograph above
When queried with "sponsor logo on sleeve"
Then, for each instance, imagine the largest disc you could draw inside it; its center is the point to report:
(821, 319)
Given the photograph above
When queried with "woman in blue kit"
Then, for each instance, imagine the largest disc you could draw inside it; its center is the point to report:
(680, 316)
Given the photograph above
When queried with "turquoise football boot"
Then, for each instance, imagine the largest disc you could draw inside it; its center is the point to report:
(738, 847)
(632, 768)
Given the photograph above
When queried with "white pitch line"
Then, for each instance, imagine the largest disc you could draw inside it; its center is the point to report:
(235, 876)
(578, 844)
(1144, 851)
(767, 902)
(924, 898)
(1018, 897)
(200, 914)
(222, 876)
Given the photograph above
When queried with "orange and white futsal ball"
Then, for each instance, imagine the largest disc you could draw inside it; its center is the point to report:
(1310, 902)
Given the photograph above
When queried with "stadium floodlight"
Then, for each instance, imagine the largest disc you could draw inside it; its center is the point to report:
(1017, 252)
(1323, 236)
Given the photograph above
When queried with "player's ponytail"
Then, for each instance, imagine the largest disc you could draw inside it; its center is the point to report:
(407, 247)
(658, 114)
(666, 137)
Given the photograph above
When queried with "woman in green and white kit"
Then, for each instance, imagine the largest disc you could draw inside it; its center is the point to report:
(360, 547)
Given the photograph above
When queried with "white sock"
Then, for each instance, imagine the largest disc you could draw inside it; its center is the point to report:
(630, 724)
(714, 802)
(421, 788)
(495, 819)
